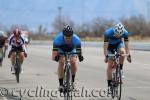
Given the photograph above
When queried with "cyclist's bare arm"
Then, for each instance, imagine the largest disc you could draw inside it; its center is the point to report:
(54, 53)
(127, 47)
(24, 48)
(105, 45)
(126, 41)
(79, 49)
(105, 48)
(9, 43)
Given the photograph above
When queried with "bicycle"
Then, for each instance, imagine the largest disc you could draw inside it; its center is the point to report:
(3, 49)
(116, 84)
(67, 83)
(2, 54)
(17, 66)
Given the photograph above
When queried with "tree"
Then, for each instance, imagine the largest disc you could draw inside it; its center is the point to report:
(99, 25)
(59, 24)
(41, 30)
(136, 25)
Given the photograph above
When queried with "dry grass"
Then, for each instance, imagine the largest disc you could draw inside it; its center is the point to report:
(139, 39)
(133, 38)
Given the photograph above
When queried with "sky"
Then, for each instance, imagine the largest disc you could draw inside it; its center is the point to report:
(35, 12)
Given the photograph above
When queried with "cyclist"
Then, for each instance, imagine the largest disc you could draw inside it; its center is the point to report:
(16, 42)
(66, 41)
(3, 43)
(115, 38)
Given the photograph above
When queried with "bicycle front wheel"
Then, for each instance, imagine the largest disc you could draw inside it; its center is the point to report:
(17, 70)
(118, 88)
(68, 91)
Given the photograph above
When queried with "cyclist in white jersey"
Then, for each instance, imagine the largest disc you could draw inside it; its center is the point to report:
(16, 42)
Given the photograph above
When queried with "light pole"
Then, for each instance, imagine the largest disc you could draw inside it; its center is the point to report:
(148, 10)
(59, 18)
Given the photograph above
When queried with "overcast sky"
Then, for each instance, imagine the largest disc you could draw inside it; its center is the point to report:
(36, 12)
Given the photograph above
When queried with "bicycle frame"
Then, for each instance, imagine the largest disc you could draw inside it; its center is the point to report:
(116, 86)
(67, 76)
(17, 66)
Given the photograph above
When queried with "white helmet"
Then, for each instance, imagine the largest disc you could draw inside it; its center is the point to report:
(118, 29)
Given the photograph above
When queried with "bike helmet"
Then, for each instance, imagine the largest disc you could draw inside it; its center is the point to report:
(118, 29)
(16, 32)
(67, 31)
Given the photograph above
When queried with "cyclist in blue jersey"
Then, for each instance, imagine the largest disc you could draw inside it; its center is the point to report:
(115, 38)
(66, 41)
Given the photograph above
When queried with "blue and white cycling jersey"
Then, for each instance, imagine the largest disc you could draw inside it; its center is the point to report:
(109, 36)
(60, 45)
(114, 42)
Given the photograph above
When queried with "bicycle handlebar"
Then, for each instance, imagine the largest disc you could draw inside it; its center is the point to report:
(113, 55)
(68, 53)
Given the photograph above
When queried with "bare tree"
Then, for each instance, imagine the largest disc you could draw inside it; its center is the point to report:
(136, 25)
(99, 25)
(59, 25)
(41, 30)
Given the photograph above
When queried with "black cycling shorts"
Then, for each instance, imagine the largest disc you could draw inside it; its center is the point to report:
(17, 48)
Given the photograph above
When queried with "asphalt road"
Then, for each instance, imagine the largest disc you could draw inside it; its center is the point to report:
(143, 46)
(39, 80)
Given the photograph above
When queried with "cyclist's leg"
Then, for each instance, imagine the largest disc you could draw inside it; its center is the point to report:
(61, 63)
(73, 67)
(13, 56)
(73, 61)
(21, 59)
(111, 48)
(13, 60)
(61, 72)
(21, 54)
(121, 49)
(109, 69)
(61, 69)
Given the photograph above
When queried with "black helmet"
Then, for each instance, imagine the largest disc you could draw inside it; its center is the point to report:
(67, 31)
